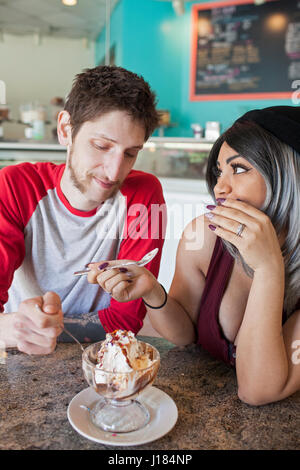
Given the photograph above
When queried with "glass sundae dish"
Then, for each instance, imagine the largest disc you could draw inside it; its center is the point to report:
(119, 368)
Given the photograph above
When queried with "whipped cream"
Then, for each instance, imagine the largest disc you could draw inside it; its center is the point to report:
(122, 352)
(122, 363)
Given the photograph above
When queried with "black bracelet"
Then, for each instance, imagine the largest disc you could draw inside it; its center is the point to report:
(164, 302)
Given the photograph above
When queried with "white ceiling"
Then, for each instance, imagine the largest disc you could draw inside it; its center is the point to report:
(52, 18)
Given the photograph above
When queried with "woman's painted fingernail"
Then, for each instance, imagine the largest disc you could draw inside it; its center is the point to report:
(123, 270)
(220, 200)
(209, 215)
(129, 280)
(212, 227)
(210, 207)
(102, 266)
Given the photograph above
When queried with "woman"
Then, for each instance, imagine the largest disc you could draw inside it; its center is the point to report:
(236, 287)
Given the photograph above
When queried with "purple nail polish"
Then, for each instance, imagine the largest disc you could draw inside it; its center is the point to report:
(212, 227)
(210, 207)
(220, 200)
(102, 266)
(123, 270)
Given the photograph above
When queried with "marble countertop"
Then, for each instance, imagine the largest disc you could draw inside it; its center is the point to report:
(35, 393)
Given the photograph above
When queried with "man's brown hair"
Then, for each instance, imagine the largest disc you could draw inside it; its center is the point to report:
(109, 88)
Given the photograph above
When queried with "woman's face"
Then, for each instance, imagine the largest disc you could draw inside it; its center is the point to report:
(238, 179)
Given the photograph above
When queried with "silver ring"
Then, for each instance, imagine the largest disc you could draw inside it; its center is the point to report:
(240, 229)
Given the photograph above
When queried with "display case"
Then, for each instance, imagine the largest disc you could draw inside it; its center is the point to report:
(13, 152)
(175, 157)
(165, 157)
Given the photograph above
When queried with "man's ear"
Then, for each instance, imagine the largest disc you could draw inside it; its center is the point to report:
(64, 130)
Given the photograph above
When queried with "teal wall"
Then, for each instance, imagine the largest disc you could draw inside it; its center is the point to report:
(154, 42)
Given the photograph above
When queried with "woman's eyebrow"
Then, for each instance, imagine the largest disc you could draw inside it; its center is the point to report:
(229, 159)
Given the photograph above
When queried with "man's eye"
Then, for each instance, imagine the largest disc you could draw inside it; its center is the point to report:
(102, 148)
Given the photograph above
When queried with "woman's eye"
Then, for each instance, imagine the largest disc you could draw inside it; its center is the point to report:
(216, 172)
(237, 169)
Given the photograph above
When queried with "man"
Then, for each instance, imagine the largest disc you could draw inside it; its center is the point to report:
(56, 219)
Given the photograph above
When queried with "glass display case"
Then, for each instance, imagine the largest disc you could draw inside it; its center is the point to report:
(13, 152)
(175, 158)
(165, 157)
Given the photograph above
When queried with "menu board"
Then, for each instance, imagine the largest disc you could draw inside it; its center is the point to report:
(241, 50)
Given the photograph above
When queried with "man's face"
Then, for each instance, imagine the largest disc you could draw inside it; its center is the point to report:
(102, 154)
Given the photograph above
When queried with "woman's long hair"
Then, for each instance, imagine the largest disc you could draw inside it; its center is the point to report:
(279, 165)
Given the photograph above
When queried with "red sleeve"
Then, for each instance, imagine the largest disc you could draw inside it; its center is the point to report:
(21, 188)
(12, 247)
(144, 230)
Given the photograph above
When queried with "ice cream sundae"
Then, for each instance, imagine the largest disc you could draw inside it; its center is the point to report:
(122, 352)
(122, 365)
(118, 368)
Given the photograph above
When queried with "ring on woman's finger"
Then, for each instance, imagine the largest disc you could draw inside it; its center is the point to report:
(240, 230)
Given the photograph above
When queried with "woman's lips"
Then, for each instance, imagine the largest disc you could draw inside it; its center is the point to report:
(103, 184)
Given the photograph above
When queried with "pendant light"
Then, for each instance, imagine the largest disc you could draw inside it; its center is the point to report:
(69, 3)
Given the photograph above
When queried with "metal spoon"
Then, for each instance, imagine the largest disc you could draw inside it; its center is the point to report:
(145, 260)
(63, 327)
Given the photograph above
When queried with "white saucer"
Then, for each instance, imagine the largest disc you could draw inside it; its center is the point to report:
(163, 416)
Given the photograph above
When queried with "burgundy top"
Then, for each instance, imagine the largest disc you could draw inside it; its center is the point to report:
(210, 335)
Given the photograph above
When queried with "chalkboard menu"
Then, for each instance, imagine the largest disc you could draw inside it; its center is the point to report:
(241, 50)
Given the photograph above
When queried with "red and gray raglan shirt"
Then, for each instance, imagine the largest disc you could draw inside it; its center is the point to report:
(44, 240)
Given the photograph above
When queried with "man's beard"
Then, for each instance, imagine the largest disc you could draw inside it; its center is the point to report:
(81, 186)
(84, 185)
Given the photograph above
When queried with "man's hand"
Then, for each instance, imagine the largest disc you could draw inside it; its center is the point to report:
(35, 331)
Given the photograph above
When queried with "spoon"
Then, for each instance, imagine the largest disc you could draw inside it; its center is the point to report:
(146, 259)
(63, 327)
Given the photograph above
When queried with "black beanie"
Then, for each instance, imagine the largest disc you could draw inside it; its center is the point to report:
(281, 121)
